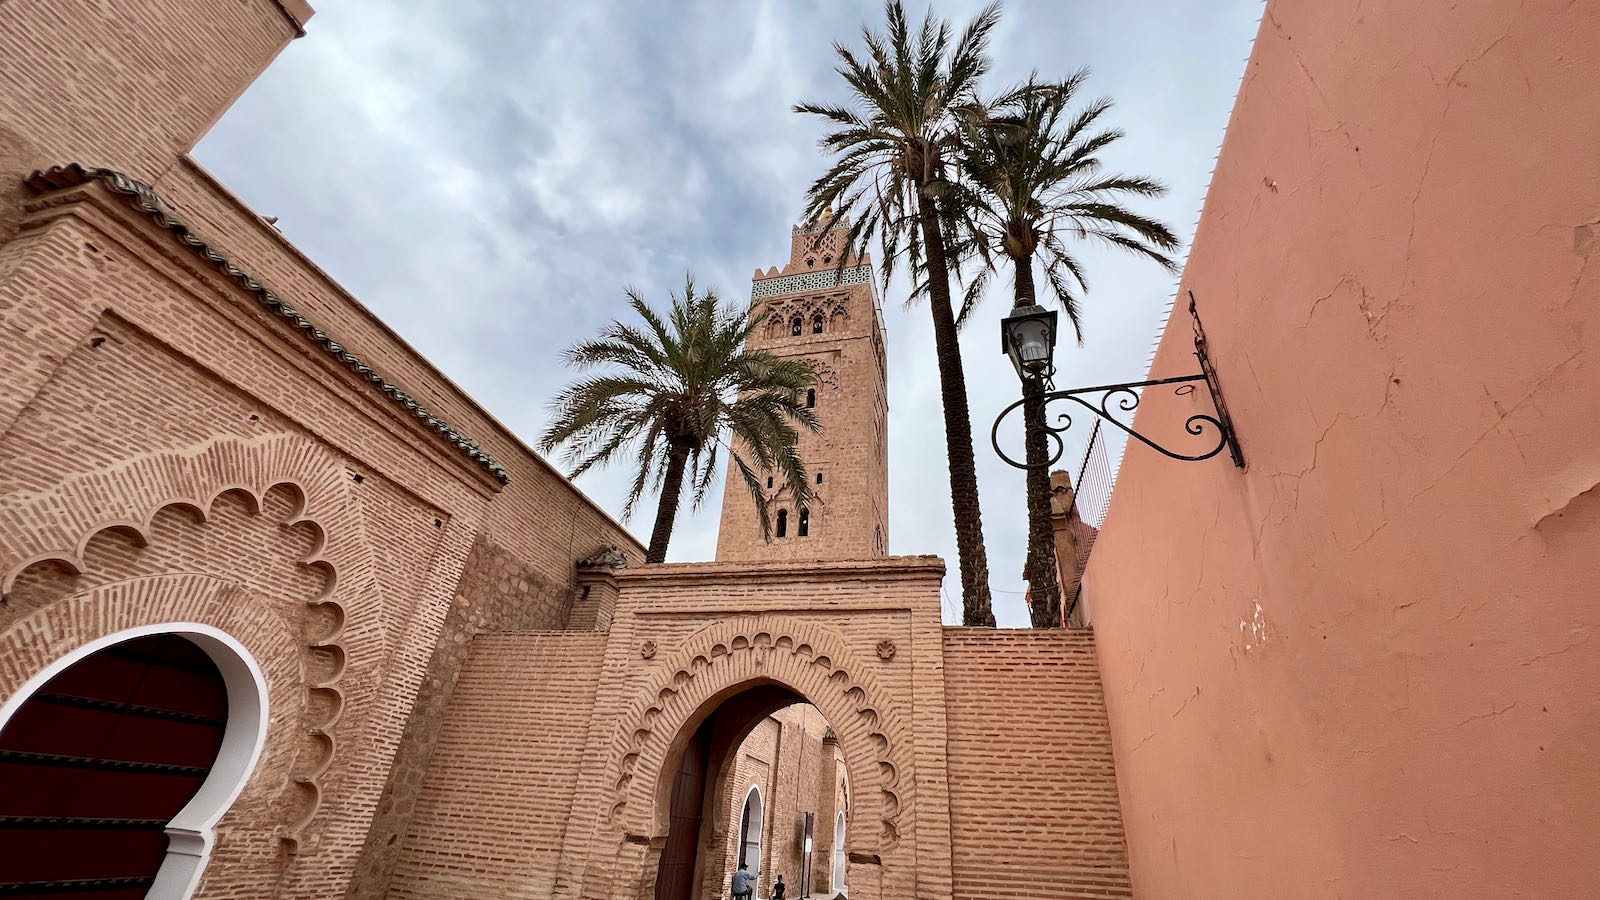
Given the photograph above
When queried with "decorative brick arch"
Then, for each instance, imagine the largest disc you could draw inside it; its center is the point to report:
(183, 602)
(812, 660)
(58, 523)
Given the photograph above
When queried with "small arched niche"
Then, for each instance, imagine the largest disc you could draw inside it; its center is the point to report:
(122, 756)
(751, 819)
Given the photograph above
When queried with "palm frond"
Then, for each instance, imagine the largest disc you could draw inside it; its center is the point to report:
(683, 379)
(1031, 177)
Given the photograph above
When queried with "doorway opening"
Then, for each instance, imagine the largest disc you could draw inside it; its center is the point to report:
(117, 761)
(756, 785)
(750, 831)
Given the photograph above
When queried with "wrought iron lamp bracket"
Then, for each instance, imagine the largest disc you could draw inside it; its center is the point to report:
(1125, 397)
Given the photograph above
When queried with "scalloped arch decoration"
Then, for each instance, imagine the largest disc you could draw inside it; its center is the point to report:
(57, 524)
(35, 641)
(813, 660)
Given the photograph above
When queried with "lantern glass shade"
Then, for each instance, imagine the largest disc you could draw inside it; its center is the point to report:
(1028, 337)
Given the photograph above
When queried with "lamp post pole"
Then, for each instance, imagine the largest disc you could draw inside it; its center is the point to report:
(1040, 567)
(1028, 337)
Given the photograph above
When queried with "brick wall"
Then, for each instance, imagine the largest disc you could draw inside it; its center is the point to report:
(860, 640)
(127, 85)
(494, 805)
(141, 385)
(497, 592)
(168, 387)
(1033, 791)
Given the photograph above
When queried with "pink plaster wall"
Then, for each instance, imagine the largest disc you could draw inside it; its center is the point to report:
(1364, 667)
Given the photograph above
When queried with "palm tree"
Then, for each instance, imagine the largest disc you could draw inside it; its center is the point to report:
(892, 150)
(673, 393)
(1031, 181)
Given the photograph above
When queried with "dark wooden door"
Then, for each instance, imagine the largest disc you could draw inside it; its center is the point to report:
(95, 763)
(675, 875)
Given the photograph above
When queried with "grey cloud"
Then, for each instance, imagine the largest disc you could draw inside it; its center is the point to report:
(515, 164)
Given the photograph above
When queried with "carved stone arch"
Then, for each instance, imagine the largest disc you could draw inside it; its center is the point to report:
(827, 373)
(727, 656)
(58, 524)
(254, 817)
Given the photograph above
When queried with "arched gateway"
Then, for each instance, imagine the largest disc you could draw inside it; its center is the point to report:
(703, 700)
(604, 762)
(685, 680)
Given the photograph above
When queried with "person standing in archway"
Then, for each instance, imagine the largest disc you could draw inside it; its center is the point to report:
(780, 890)
(744, 884)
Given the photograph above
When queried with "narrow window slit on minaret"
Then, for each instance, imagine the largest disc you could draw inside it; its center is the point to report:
(811, 398)
(783, 523)
(805, 523)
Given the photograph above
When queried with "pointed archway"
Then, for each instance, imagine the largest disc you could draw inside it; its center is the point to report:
(118, 759)
(763, 662)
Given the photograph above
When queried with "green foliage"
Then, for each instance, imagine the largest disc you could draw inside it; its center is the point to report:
(894, 144)
(1031, 178)
(684, 382)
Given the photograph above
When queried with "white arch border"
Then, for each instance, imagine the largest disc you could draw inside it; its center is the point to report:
(838, 867)
(760, 824)
(192, 832)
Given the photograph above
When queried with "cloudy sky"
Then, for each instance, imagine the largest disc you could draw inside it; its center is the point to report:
(487, 175)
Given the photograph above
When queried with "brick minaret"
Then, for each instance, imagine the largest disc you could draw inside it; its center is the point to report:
(831, 319)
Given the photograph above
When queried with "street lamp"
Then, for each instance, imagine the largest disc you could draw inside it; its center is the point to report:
(1028, 336)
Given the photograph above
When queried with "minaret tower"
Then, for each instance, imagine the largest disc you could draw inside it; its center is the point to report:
(830, 318)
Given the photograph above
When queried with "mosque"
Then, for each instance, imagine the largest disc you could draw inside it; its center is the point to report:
(284, 613)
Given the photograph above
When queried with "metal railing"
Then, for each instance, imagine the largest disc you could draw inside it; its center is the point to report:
(1091, 486)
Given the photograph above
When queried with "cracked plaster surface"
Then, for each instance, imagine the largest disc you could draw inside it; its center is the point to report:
(1379, 215)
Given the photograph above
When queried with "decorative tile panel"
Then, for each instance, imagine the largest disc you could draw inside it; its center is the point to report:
(810, 281)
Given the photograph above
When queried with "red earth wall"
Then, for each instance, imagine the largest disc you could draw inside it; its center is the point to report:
(1362, 667)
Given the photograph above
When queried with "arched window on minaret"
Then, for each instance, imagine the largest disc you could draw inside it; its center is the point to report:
(795, 326)
(816, 324)
(805, 523)
(811, 398)
(783, 523)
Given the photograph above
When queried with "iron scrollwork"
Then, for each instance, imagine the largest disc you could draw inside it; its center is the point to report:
(1108, 401)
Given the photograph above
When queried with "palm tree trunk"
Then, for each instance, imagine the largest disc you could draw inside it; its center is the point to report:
(976, 606)
(1044, 591)
(667, 511)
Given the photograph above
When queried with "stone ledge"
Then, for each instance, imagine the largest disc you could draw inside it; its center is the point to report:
(144, 198)
(890, 567)
(297, 11)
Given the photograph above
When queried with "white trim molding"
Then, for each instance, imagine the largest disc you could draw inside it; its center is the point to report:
(192, 832)
(838, 853)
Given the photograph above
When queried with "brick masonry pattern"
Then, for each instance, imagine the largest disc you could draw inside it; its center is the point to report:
(169, 451)
(1033, 790)
(151, 411)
